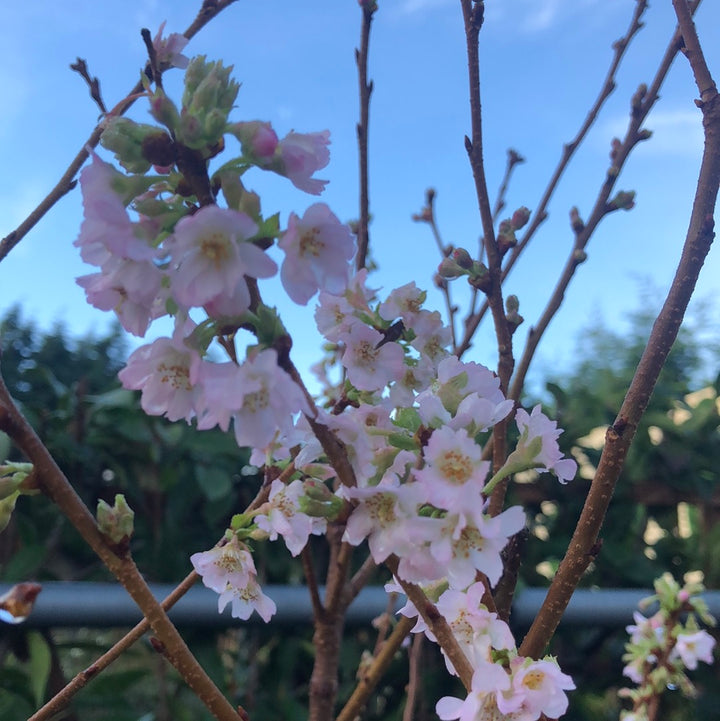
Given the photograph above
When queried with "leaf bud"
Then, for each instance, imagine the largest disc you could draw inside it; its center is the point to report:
(576, 222)
(479, 277)
(624, 200)
(125, 138)
(116, 521)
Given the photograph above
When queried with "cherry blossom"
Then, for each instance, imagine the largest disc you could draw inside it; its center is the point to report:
(370, 363)
(209, 255)
(281, 515)
(694, 647)
(300, 156)
(318, 248)
(166, 371)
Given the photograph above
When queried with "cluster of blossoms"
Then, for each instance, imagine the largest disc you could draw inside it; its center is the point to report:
(413, 418)
(664, 646)
(504, 685)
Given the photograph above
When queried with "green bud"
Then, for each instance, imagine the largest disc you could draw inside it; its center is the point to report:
(624, 200)
(116, 521)
(449, 269)
(125, 138)
(330, 509)
(164, 111)
(462, 258)
(7, 506)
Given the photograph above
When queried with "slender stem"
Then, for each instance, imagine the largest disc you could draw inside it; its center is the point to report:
(642, 103)
(62, 699)
(620, 46)
(414, 677)
(513, 159)
(437, 624)
(67, 182)
(55, 485)
(584, 544)
(473, 16)
(374, 674)
(366, 88)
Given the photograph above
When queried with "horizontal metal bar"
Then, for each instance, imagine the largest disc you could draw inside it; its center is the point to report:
(105, 605)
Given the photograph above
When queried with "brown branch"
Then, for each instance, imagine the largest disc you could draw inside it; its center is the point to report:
(513, 158)
(53, 483)
(414, 677)
(473, 17)
(81, 68)
(374, 674)
(620, 46)
(584, 543)
(437, 624)
(366, 88)
(209, 10)
(62, 699)
(642, 103)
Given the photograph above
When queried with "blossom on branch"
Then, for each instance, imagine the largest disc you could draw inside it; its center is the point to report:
(318, 248)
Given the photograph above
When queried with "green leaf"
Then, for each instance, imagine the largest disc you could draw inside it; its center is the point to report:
(39, 665)
(408, 418)
(213, 482)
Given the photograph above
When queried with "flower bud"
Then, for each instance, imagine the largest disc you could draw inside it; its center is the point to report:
(462, 258)
(126, 139)
(520, 218)
(448, 268)
(164, 111)
(259, 141)
(479, 277)
(116, 521)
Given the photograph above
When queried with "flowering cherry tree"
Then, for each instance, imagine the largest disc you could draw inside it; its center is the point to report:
(409, 446)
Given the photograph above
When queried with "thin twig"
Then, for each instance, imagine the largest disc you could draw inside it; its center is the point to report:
(55, 485)
(642, 103)
(620, 46)
(62, 699)
(372, 676)
(81, 68)
(67, 182)
(366, 88)
(414, 676)
(437, 624)
(584, 544)
(513, 158)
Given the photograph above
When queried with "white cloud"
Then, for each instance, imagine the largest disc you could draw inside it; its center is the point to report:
(674, 132)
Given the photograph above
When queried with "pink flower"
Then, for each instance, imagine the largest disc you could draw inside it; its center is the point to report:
(371, 366)
(259, 141)
(488, 679)
(107, 231)
(166, 371)
(538, 687)
(128, 287)
(281, 515)
(454, 473)
(404, 302)
(317, 249)
(210, 254)
(694, 647)
(300, 155)
(169, 49)
(259, 396)
(230, 571)
(538, 445)
(246, 599)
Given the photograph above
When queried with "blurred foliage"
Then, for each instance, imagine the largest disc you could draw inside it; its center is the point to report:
(184, 486)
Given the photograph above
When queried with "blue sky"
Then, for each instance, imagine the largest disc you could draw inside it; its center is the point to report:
(543, 64)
